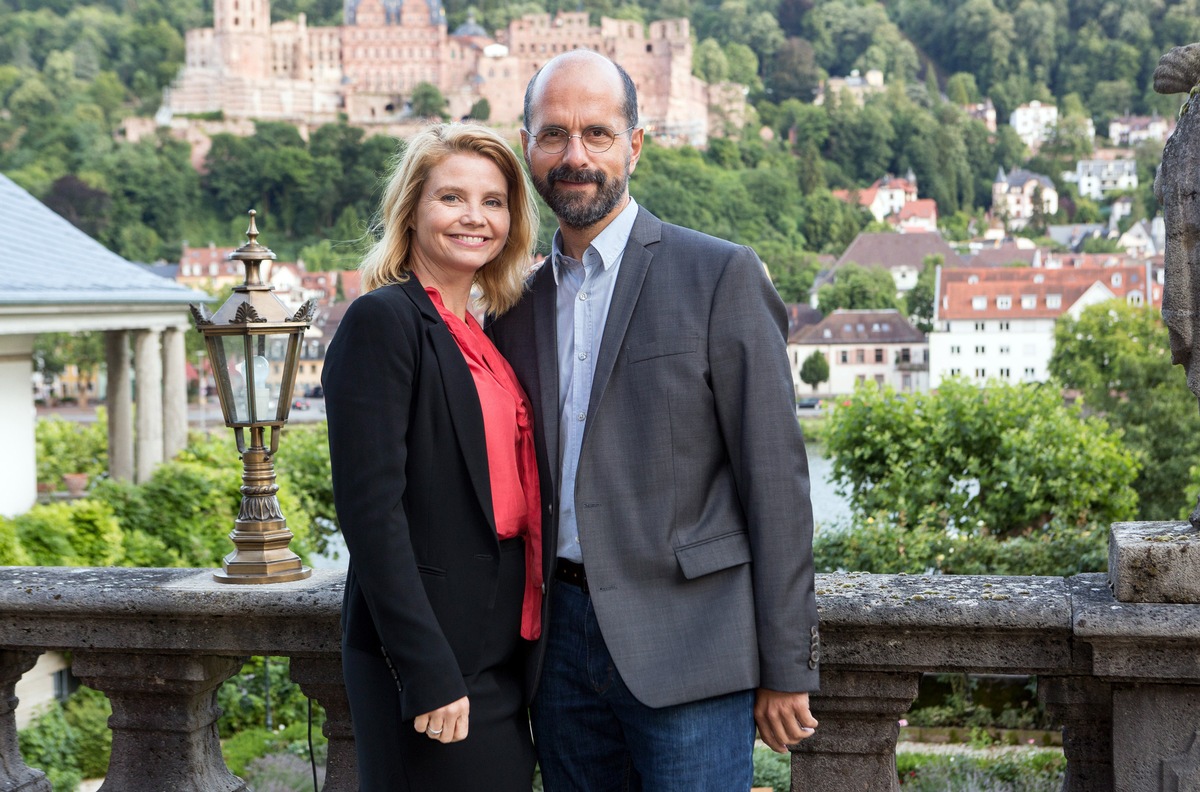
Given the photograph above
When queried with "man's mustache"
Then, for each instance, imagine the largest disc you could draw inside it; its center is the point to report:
(576, 176)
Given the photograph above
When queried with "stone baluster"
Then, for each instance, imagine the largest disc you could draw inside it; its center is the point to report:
(15, 775)
(164, 721)
(321, 678)
(854, 748)
(1083, 705)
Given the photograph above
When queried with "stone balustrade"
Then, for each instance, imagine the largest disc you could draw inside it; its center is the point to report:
(1123, 679)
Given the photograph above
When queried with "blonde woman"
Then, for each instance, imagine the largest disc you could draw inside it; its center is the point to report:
(435, 479)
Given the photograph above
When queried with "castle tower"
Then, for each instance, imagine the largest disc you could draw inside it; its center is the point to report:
(242, 30)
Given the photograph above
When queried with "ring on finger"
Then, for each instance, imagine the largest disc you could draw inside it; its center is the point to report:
(434, 732)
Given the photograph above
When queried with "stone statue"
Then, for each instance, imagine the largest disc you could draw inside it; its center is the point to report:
(1177, 187)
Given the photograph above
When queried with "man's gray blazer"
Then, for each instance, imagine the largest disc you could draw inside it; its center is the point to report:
(692, 494)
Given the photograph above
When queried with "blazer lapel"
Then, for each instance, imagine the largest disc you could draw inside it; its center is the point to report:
(462, 398)
(545, 340)
(634, 263)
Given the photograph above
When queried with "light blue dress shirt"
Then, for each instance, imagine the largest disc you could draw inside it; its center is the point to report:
(585, 292)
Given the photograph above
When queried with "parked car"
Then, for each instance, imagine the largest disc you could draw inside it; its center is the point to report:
(300, 404)
(808, 403)
(315, 392)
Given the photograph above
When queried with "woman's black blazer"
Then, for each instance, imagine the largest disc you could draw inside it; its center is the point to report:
(413, 497)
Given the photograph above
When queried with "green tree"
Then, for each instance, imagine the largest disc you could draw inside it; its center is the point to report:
(1118, 357)
(1005, 459)
(919, 300)
(857, 287)
(815, 369)
(428, 102)
(480, 111)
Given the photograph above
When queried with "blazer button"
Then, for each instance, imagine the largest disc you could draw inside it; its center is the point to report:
(812, 664)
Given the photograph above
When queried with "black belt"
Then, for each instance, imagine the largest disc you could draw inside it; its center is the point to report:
(569, 572)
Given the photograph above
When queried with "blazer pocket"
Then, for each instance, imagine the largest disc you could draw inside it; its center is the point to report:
(425, 569)
(713, 555)
(672, 345)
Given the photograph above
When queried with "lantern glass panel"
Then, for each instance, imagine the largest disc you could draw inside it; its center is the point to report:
(255, 367)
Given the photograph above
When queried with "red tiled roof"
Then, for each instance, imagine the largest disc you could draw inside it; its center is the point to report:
(897, 250)
(959, 287)
(922, 207)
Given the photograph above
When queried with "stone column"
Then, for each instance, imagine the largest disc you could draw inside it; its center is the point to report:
(854, 747)
(147, 369)
(120, 405)
(18, 463)
(15, 775)
(1083, 705)
(164, 721)
(321, 678)
(175, 406)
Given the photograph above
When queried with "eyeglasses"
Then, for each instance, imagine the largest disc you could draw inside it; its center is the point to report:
(596, 139)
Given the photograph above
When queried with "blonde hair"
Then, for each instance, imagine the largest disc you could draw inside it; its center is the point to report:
(502, 280)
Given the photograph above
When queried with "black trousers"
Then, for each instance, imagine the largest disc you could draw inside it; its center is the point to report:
(496, 756)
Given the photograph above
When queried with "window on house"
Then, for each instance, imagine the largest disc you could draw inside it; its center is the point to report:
(1039, 278)
(1054, 301)
(907, 382)
(878, 379)
(878, 355)
(827, 333)
(1116, 279)
(980, 350)
(1029, 373)
(1028, 301)
(845, 356)
(861, 378)
(979, 303)
(980, 373)
(955, 350)
(1005, 373)
(954, 372)
(1004, 302)
(980, 326)
(860, 356)
(973, 279)
(1134, 298)
(905, 355)
(1004, 326)
(1004, 350)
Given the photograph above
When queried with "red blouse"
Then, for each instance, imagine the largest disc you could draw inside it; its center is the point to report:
(512, 465)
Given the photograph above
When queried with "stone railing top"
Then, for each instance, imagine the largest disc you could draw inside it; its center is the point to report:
(952, 602)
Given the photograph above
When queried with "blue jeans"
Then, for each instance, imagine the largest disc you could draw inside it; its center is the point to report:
(592, 735)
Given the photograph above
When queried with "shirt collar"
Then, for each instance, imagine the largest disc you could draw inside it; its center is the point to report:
(609, 244)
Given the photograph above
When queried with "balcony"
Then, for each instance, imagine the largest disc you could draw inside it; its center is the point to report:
(1122, 679)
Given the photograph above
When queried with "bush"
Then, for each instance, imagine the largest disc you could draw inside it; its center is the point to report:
(11, 551)
(243, 700)
(1037, 771)
(879, 546)
(49, 744)
(87, 712)
(247, 745)
(79, 533)
(772, 769)
(70, 447)
(281, 773)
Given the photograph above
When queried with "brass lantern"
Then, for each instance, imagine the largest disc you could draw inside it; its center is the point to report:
(254, 348)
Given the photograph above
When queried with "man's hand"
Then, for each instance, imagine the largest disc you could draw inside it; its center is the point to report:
(783, 718)
(445, 724)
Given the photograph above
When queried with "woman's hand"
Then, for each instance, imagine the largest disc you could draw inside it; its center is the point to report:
(445, 724)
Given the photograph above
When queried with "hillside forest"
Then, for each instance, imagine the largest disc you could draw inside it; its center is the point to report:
(72, 72)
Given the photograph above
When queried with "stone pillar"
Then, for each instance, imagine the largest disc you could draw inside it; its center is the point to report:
(1083, 705)
(321, 678)
(164, 721)
(175, 406)
(147, 369)
(854, 747)
(15, 775)
(1156, 737)
(120, 405)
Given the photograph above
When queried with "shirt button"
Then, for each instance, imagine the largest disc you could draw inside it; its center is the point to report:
(583, 295)
(583, 355)
(580, 416)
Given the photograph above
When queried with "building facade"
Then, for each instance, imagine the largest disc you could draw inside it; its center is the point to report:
(367, 68)
(862, 346)
(1018, 196)
(997, 323)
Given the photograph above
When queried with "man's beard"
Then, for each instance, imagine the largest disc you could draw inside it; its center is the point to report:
(579, 211)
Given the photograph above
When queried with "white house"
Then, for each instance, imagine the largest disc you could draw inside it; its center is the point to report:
(877, 346)
(998, 322)
(1132, 130)
(1097, 177)
(1034, 123)
(1015, 197)
(886, 196)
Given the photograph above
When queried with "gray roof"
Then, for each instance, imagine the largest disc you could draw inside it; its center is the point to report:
(1020, 176)
(884, 326)
(45, 259)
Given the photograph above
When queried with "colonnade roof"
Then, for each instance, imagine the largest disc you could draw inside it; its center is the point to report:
(48, 267)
